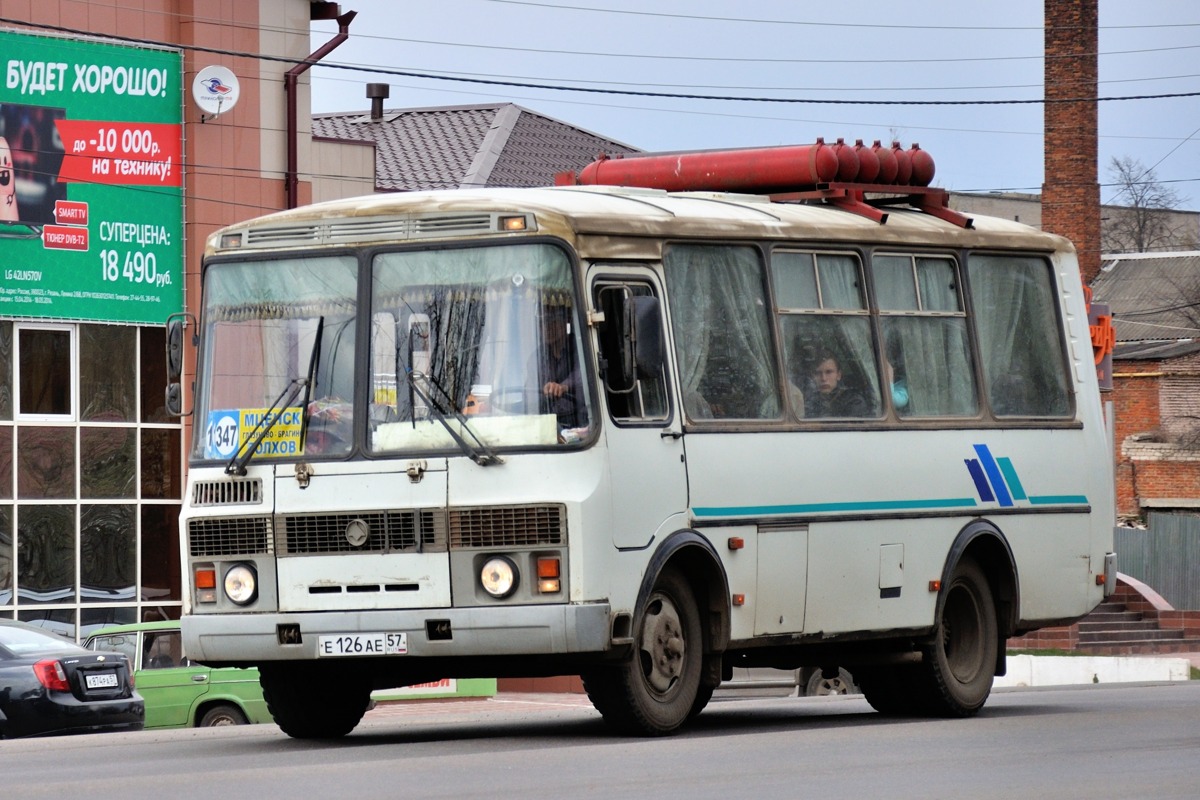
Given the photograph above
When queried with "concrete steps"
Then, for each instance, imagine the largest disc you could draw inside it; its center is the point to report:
(1112, 629)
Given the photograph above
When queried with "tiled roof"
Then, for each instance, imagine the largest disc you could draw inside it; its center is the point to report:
(1155, 302)
(451, 147)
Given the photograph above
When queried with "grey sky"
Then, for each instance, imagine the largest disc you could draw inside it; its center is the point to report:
(870, 50)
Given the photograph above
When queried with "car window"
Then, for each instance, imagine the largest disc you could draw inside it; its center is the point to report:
(162, 650)
(22, 642)
(123, 643)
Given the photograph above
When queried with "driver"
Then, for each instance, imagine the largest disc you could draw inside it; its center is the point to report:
(558, 374)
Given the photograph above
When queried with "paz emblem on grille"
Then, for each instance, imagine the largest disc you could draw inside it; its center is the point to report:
(357, 532)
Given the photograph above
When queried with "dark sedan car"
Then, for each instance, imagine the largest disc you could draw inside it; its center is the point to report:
(49, 685)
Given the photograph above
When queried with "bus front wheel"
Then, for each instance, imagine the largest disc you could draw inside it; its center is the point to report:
(308, 702)
(655, 690)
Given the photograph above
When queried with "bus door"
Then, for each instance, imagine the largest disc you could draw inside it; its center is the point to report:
(643, 436)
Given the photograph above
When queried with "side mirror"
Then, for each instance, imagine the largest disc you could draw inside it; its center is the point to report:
(631, 338)
(174, 349)
(646, 335)
(176, 325)
(174, 400)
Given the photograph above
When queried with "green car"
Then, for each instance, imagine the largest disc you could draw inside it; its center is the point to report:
(178, 693)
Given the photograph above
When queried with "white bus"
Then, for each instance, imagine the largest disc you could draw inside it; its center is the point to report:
(637, 436)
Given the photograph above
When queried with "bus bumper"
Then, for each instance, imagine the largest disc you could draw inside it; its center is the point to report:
(441, 632)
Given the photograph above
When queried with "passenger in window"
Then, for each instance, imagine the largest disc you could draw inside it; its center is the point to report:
(899, 387)
(832, 398)
(558, 375)
(895, 376)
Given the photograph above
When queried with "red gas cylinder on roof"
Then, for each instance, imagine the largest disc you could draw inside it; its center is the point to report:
(903, 164)
(922, 166)
(760, 170)
(887, 163)
(848, 166)
(868, 163)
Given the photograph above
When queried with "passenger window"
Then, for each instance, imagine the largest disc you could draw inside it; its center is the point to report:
(927, 358)
(826, 332)
(162, 650)
(722, 332)
(1017, 324)
(644, 399)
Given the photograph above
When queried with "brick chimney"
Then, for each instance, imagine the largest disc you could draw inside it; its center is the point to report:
(1071, 192)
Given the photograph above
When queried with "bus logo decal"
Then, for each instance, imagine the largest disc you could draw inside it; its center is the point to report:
(995, 478)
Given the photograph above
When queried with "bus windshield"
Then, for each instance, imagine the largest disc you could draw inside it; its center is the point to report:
(275, 330)
(479, 342)
(470, 349)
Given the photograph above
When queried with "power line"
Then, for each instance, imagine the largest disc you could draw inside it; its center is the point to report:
(559, 7)
(729, 60)
(611, 91)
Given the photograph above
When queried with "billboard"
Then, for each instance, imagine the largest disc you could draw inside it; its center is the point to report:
(91, 184)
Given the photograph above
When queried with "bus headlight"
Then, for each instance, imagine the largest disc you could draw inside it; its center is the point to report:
(241, 584)
(498, 577)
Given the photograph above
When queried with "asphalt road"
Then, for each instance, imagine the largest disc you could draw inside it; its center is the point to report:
(1107, 741)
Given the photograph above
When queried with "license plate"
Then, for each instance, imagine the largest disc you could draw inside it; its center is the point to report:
(363, 644)
(101, 680)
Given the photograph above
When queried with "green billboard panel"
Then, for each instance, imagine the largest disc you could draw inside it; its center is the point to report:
(91, 184)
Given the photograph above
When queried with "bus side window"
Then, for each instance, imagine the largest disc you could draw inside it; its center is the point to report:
(722, 330)
(928, 368)
(632, 394)
(826, 334)
(1014, 305)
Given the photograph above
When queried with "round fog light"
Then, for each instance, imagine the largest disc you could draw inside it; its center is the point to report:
(241, 584)
(498, 576)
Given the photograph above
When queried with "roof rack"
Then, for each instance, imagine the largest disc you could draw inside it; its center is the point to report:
(841, 175)
(852, 197)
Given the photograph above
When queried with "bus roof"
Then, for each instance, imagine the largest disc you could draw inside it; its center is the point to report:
(607, 211)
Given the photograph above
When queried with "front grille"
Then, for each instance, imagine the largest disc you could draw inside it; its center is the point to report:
(387, 532)
(226, 492)
(507, 526)
(229, 536)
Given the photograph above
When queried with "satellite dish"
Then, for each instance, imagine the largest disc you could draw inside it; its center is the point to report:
(215, 91)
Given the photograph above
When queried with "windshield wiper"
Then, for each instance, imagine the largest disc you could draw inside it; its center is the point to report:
(241, 456)
(483, 456)
(314, 359)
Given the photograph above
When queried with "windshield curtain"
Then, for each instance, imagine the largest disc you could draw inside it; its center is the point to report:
(480, 342)
(271, 327)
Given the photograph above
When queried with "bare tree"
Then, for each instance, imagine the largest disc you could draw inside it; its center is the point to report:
(1140, 217)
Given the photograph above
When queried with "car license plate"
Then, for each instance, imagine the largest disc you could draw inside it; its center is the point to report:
(101, 680)
(363, 644)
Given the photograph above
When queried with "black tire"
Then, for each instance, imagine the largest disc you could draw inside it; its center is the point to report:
(657, 688)
(703, 696)
(960, 663)
(892, 690)
(311, 702)
(222, 714)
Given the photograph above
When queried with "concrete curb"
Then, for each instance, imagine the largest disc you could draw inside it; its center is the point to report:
(1026, 670)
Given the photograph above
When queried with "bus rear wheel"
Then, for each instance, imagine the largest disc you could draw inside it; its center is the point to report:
(954, 677)
(961, 661)
(655, 691)
(308, 702)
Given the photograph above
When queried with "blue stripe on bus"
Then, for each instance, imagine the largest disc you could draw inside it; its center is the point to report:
(1010, 475)
(809, 508)
(994, 476)
(1059, 500)
(981, 484)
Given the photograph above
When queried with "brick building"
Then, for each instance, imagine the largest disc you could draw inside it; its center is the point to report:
(1156, 378)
